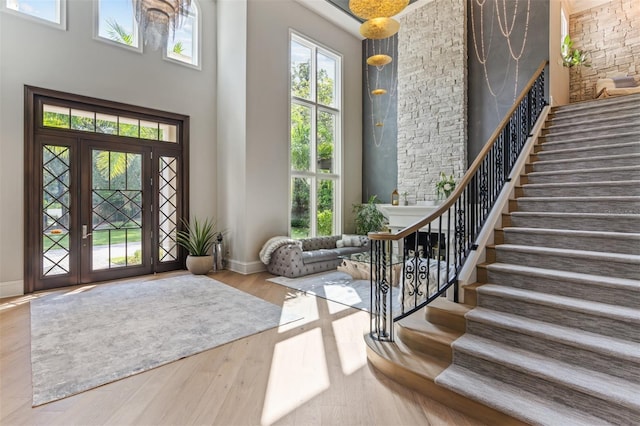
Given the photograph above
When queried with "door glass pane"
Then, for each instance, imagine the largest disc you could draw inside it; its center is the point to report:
(106, 123)
(325, 141)
(326, 80)
(300, 207)
(55, 116)
(128, 127)
(148, 130)
(82, 120)
(55, 210)
(326, 209)
(168, 132)
(116, 209)
(168, 209)
(300, 137)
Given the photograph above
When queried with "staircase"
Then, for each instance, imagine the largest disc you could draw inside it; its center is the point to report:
(551, 332)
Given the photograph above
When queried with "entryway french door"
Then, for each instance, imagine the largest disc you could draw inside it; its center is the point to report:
(100, 206)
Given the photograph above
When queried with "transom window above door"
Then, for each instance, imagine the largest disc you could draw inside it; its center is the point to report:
(63, 117)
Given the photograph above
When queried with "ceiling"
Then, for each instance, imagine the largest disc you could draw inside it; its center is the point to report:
(576, 6)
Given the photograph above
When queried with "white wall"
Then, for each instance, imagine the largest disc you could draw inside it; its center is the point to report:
(254, 190)
(72, 61)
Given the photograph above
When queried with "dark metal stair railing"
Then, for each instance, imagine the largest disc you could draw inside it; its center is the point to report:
(432, 251)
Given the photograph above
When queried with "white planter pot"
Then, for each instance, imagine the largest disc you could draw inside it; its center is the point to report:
(199, 265)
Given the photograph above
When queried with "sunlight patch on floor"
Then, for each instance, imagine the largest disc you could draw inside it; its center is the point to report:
(346, 294)
(351, 348)
(298, 373)
(298, 305)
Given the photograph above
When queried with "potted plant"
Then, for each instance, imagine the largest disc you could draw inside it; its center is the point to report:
(368, 217)
(198, 239)
(570, 56)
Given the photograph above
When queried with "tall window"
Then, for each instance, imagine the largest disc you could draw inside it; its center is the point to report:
(564, 25)
(115, 23)
(184, 45)
(52, 12)
(315, 139)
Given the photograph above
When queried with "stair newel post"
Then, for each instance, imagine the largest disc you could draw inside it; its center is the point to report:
(381, 314)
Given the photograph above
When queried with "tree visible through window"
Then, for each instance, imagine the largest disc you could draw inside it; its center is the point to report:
(314, 140)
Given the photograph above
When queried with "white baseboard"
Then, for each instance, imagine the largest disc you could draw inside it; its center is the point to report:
(245, 268)
(11, 288)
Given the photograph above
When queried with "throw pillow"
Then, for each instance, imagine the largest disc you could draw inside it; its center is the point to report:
(624, 82)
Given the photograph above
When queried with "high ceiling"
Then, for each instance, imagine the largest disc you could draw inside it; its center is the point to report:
(344, 6)
(580, 5)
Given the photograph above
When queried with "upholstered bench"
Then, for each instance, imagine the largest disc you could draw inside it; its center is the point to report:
(295, 258)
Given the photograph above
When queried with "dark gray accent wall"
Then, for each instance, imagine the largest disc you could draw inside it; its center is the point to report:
(505, 48)
(380, 154)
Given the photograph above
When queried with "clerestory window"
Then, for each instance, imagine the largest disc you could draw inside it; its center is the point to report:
(115, 23)
(315, 139)
(184, 46)
(51, 12)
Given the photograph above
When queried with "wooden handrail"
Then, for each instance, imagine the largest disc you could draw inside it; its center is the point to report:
(388, 236)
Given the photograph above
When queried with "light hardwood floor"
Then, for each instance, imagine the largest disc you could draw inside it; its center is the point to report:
(310, 372)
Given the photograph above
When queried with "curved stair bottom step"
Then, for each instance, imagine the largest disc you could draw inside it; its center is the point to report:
(419, 372)
(523, 405)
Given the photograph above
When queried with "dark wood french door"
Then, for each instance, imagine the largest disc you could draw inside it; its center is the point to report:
(100, 206)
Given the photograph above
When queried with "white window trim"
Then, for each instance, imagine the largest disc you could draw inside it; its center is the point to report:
(338, 177)
(98, 37)
(195, 41)
(62, 15)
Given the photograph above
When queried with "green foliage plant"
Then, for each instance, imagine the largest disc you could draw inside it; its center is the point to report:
(117, 33)
(572, 57)
(368, 218)
(198, 237)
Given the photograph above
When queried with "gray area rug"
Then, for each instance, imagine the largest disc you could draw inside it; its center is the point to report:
(335, 286)
(86, 339)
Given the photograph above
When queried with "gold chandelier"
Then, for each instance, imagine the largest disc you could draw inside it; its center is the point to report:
(378, 25)
(156, 17)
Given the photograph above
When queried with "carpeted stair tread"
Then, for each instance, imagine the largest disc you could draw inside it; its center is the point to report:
(590, 150)
(546, 142)
(514, 401)
(582, 116)
(596, 309)
(599, 158)
(596, 104)
(615, 242)
(594, 342)
(592, 170)
(564, 220)
(604, 386)
(613, 128)
(417, 324)
(585, 279)
(632, 118)
(631, 183)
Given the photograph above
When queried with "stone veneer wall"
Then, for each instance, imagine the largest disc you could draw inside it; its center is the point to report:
(610, 34)
(432, 97)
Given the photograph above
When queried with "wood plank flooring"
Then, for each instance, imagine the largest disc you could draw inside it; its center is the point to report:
(311, 372)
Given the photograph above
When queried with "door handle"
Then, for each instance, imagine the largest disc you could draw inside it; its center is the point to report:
(84, 232)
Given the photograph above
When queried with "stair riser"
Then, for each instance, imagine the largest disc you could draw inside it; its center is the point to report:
(422, 343)
(604, 363)
(594, 190)
(587, 176)
(550, 143)
(576, 223)
(623, 244)
(564, 119)
(561, 316)
(587, 291)
(583, 402)
(585, 265)
(590, 163)
(588, 153)
(620, 206)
